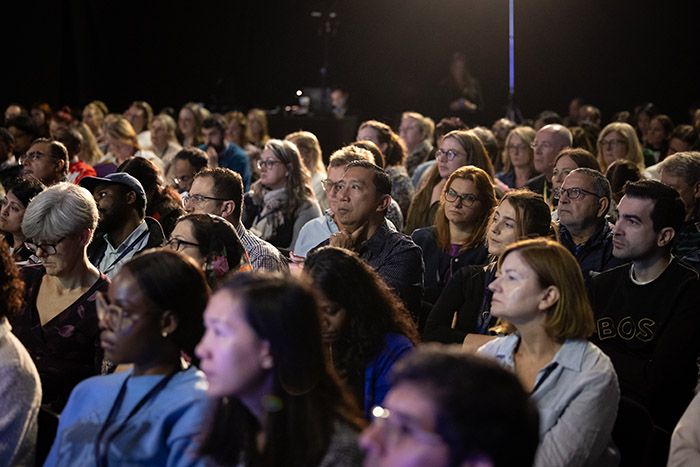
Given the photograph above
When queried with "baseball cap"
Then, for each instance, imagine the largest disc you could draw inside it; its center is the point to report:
(119, 178)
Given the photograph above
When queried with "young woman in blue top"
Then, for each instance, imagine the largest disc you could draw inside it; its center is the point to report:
(366, 328)
(150, 414)
(541, 301)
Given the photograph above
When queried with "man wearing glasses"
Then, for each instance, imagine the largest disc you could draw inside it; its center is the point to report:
(219, 191)
(47, 161)
(549, 140)
(584, 199)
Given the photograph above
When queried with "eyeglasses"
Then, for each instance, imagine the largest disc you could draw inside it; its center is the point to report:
(329, 185)
(268, 164)
(116, 318)
(612, 143)
(48, 248)
(31, 156)
(575, 193)
(395, 426)
(467, 199)
(517, 147)
(199, 199)
(450, 154)
(177, 243)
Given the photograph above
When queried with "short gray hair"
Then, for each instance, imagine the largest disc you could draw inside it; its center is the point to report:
(60, 210)
(601, 185)
(683, 164)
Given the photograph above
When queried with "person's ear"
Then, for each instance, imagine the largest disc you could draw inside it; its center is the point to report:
(227, 208)
(86, 237)
(665, 236)
(168, 323)
(603, 206)
(130, 197)
(384, 203)
(696, 190)
(550, 296)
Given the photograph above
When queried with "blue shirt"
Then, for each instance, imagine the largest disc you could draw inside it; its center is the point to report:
(378, 370)
(235, 158)
(162, 432)
(577, 396)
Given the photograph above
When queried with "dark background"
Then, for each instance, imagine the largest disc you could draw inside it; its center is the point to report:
(389, 53)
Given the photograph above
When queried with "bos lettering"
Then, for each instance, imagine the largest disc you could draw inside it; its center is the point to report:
(627, 328)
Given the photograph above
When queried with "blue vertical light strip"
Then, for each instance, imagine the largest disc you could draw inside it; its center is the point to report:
(511, 48)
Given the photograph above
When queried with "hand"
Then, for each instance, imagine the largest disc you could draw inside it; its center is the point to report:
(347, 240)
(212, 157)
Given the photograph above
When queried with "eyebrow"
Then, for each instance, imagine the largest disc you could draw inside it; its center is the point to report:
(632, 217)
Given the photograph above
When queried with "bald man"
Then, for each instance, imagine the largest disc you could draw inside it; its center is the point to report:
(549, 140)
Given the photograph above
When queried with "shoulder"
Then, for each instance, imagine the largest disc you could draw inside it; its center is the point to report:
(611, 275)
(500, 346)
(424, 234)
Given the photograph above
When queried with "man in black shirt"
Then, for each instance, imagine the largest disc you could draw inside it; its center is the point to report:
(647, 315)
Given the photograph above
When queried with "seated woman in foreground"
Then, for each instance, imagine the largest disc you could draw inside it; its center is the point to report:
(366, 333)
(541, 301)
(278, 402)
(150, 414)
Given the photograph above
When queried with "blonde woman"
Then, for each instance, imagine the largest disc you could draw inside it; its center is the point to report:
(619, 141)
(123, 143)
(519, 166)
(311, 154)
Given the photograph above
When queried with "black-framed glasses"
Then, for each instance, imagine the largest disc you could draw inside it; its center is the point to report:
(467, 199)
(575, 193)
(199, 199)
(47, 248)
(177, 243)
(268, 164)
(449, 154)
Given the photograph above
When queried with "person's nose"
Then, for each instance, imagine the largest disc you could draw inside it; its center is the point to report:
(371, 440)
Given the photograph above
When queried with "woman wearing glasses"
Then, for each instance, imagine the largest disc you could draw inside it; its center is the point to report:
(211, 241)
(458, 237)
(282, 201)
(619, 141)
(152, 413)
(278, 402)
(566, 161)
(518, 158)
(456, 149)
(58, 322)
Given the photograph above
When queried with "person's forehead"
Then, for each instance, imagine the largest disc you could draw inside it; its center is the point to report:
(202, 186)
(639, 207)
(673, 180)
(183, 165)
(111, 187)
(336, 173)
(358, 173)
(39, 147)
(411, 401)
(575, 179)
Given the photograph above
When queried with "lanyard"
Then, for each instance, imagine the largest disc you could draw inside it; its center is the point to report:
(126, 251)
(101, 457)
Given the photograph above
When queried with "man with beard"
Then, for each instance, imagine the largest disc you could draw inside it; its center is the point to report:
(123, 230)
(220, 154)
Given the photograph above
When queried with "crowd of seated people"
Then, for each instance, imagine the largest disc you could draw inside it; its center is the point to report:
(186, 288)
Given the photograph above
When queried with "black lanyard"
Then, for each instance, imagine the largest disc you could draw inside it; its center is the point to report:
(101, 457)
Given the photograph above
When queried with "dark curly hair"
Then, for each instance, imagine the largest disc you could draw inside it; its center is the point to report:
(373, 310)
(11, 286)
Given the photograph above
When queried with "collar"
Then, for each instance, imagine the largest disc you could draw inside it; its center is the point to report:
(599, 236)
(569, 356)
(141, 228)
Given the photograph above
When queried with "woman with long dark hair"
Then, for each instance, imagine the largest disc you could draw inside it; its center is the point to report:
(278, 402)
(152, 413)
(366, 332)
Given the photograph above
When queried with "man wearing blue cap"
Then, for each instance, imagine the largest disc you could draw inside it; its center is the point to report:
(123, 229)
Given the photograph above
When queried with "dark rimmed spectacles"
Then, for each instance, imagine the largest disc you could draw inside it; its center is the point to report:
(329, 185)
(199, 199)
(47, 248)
(450, 154)
(268, 164)
(467, 199)
(177, 243)
(575, 193)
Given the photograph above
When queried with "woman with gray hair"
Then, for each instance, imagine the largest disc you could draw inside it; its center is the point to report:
(281, 202)
(58, 321)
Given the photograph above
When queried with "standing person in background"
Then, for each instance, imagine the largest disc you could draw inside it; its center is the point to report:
(463, 90)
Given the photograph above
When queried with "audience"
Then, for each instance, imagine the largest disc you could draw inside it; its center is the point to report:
(462, 314)
(447, 409)
(46, 160)
(9, 164)
(646, 311)
(282, 201)
(540, 300)
(310, 151)
(519, 166)
(549, 141)
(219, 191)
(152, 413)
(256, 132)
(124, 230)
(23, 131)
(93, 116)
(458, 238)
(122, 141)
(58, 321)
(164, 142)
(619, 141)
(566, 161)
(416, 132)
(365, 333)
(222, 154)
(189, 124)
(20, 387)
(277, 401)
(186, 163)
